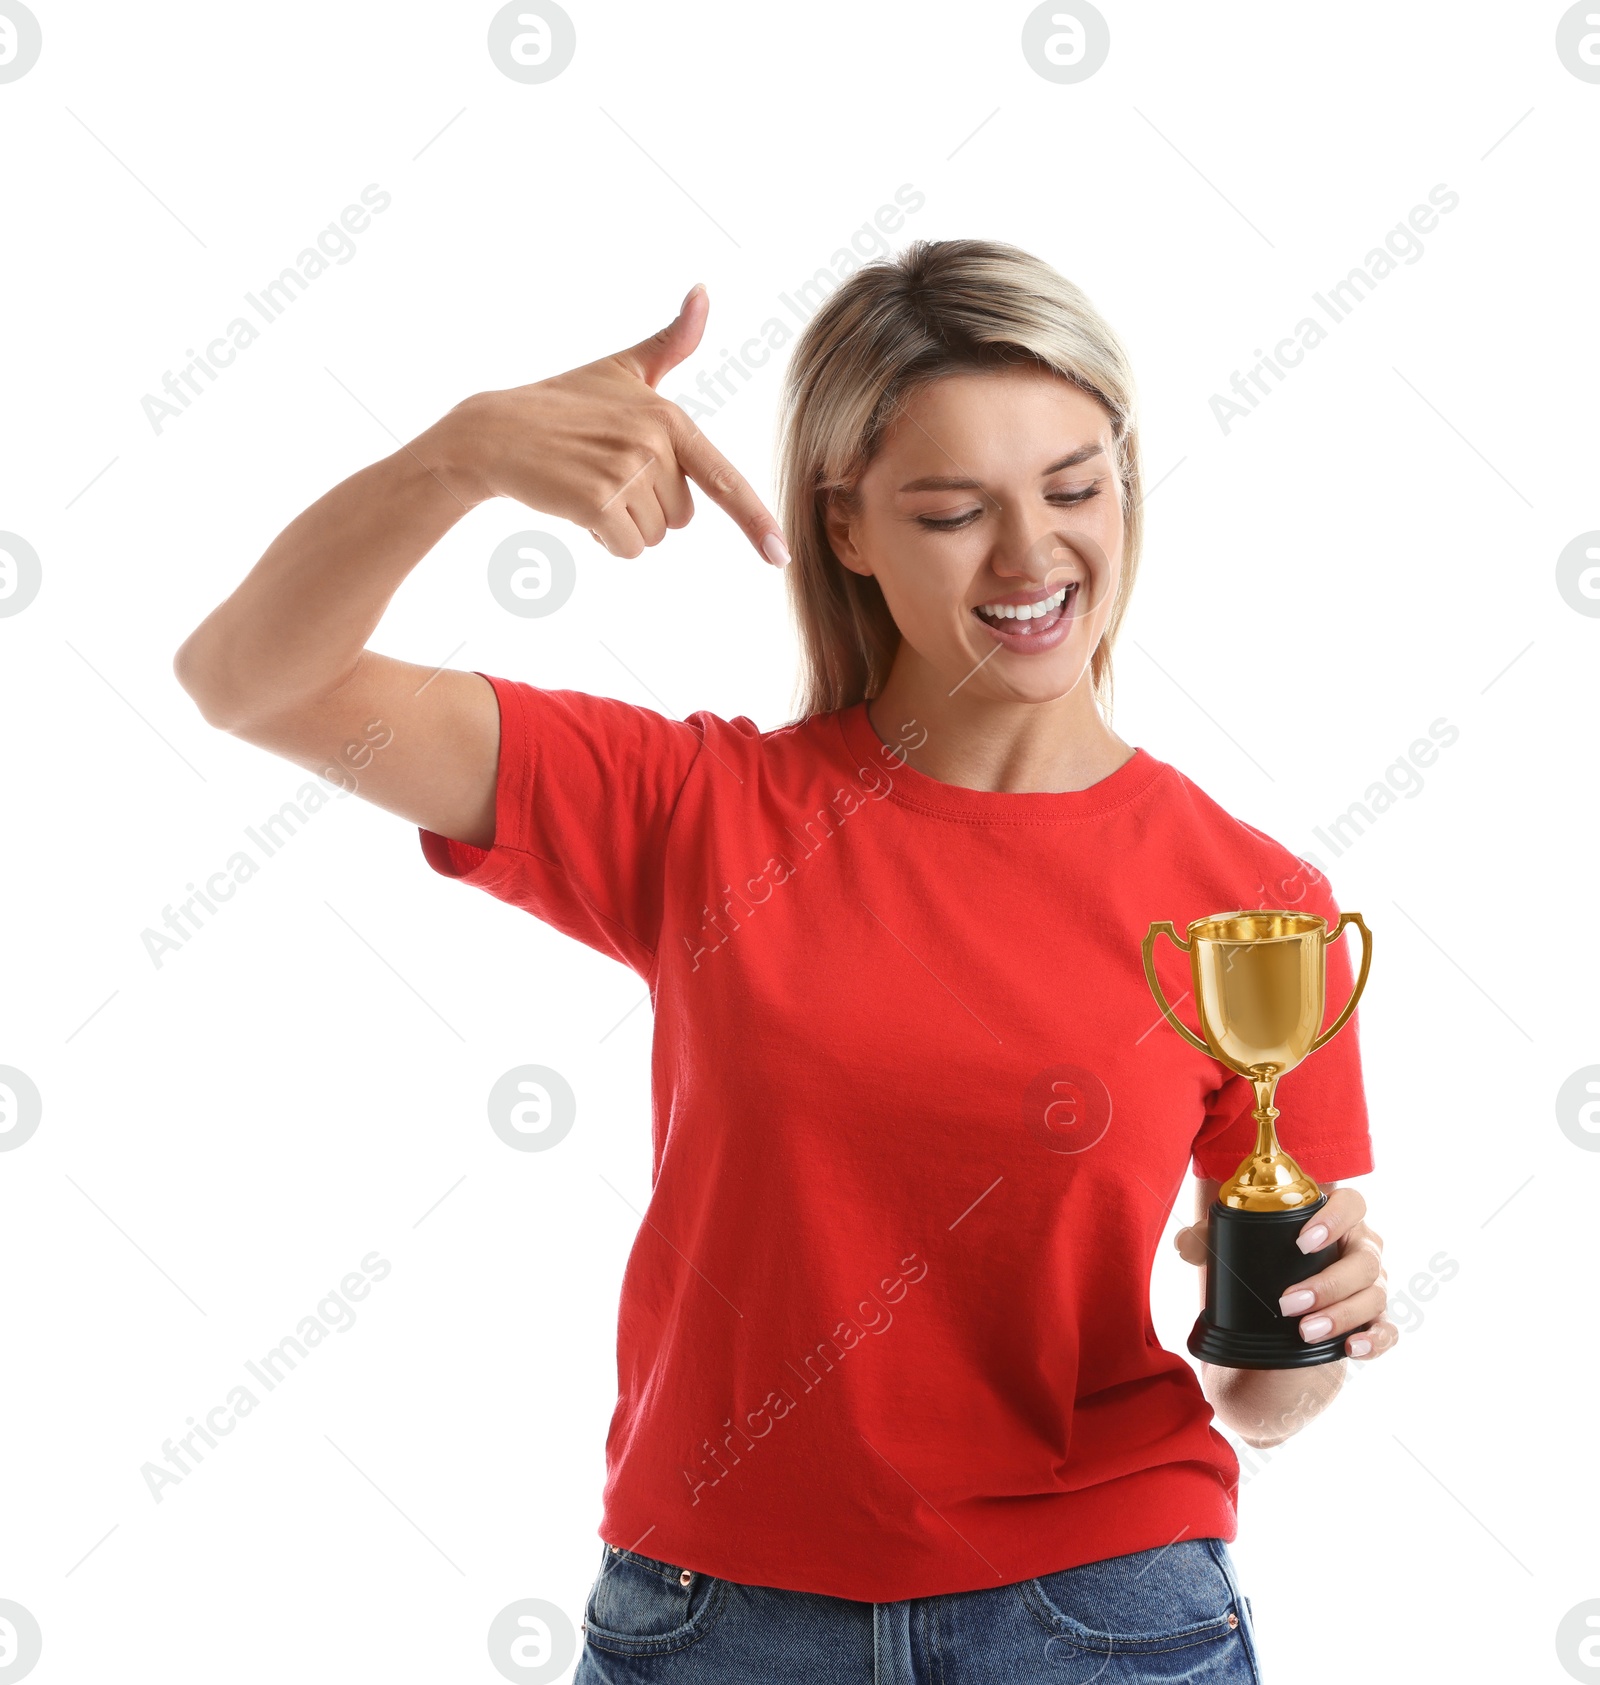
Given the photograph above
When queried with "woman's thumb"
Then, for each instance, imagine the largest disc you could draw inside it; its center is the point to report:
(1191, 1243)
(651, 358)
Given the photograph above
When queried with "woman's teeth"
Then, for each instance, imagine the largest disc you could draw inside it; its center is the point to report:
(1025, 611)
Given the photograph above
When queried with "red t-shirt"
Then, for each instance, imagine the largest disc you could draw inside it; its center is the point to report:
(918, 1128)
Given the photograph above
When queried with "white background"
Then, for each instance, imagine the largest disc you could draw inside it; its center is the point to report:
(225, 1136)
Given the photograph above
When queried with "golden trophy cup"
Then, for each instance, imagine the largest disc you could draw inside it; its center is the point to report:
(1260, 981)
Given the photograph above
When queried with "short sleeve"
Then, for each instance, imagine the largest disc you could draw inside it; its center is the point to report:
(585, 792)
(1323, 1124)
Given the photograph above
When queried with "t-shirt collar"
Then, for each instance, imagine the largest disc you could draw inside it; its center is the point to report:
(916, 789)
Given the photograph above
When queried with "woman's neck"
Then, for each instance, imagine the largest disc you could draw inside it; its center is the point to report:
(983, 743)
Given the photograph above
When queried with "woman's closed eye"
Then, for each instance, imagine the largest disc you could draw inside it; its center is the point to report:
(950, 523)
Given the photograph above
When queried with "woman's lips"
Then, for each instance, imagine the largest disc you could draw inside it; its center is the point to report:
(1035, 635)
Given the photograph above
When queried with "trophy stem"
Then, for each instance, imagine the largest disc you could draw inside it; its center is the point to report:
(1268, 1179)
(1266, 1115)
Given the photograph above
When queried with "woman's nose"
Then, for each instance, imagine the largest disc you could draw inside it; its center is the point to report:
(1036, 558)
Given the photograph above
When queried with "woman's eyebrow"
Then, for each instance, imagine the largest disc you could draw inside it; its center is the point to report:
(962, 482)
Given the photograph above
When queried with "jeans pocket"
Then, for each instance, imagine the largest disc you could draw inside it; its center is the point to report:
(1144, 1603)
(641, 1606)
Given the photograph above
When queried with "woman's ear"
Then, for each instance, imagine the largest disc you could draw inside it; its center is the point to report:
(838, 525)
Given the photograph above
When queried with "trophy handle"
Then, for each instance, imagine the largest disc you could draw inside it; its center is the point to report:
(1155, 987)
(1361, 980)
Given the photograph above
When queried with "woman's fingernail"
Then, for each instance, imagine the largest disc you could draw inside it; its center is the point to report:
(1310, 1239)
(775, 550)
(1291, 1304)
(1360, 1348)
(1316, 1327)
(690, 294)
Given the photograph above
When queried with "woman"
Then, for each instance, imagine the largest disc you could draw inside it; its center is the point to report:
(890, 1405)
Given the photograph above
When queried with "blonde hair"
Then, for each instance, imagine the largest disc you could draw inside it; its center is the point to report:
(941, 307)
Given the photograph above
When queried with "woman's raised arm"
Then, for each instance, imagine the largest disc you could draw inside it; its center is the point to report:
(283, 662)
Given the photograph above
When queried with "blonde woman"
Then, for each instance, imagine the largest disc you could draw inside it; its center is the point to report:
(890, 1403)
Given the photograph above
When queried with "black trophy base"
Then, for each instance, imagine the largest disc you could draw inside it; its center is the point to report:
(1251, 1260)
(1233, 1350)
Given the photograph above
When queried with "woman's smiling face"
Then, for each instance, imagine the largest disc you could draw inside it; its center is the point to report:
(994, 492)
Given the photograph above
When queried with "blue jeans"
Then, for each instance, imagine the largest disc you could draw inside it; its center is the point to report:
(1174, 1613)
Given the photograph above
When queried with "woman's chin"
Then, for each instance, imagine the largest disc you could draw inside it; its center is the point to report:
(1045, 677)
